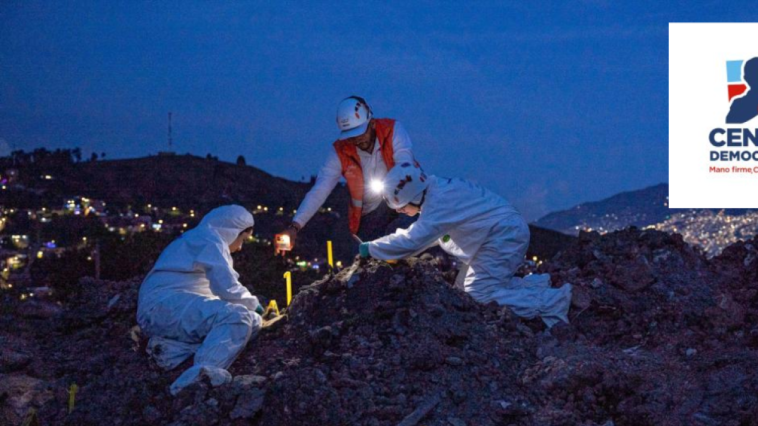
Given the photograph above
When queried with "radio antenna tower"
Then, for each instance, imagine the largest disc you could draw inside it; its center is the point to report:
(170, 140)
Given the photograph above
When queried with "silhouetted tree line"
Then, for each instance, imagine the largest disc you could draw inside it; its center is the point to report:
(43, 156)
(46, 158)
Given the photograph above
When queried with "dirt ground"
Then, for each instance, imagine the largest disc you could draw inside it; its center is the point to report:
(659, 335)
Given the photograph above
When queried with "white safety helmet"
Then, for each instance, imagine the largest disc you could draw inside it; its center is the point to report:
(353, 116)
(404, 184)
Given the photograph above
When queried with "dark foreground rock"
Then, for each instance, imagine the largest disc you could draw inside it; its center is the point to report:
(659, 336)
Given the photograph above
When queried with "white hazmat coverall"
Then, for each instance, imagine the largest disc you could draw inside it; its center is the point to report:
(486, 233)
(192, 301)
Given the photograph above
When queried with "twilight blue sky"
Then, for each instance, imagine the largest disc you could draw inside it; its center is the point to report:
(548, 103)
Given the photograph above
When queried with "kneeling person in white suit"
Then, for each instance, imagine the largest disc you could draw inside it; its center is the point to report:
(478, 227)
(192, 302)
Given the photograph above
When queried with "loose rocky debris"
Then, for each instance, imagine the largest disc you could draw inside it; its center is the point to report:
(381, 344)
(660, 335)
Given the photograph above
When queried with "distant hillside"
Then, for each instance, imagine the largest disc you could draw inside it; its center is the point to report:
(545, 243)
(185, 181)
(639, 208)
(191, 182)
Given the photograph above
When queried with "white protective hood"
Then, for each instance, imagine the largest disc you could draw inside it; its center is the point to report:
(200, 262)
(226, 221)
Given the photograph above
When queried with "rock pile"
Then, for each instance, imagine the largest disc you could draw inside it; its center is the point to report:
(660, 335)
(379, 343)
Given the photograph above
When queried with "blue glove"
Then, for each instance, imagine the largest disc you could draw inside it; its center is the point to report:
(363, 250)
(259, 309)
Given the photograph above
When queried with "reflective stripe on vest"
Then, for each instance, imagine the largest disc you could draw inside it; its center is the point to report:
(353, 172)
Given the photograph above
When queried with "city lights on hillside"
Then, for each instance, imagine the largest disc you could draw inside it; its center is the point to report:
(124, 221)
(710, 231)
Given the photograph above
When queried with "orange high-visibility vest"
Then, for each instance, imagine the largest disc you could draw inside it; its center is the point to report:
(352, 170)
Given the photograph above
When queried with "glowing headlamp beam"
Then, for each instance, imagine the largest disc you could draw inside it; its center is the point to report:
(376, 186)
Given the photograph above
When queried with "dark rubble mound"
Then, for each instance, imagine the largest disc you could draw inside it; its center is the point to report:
(635, 283)
(373, 345)
(738, 266)
(659, 334)
(376, 343)
(96, 344)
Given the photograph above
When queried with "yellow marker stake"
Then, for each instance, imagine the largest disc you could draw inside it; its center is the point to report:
(329, 252)
(72, 396)
(288, 276)
(31, 418)
(272, 306)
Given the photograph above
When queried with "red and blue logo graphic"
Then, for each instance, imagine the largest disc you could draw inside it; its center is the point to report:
(742, 79)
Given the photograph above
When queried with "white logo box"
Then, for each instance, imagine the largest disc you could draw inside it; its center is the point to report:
(698, 104)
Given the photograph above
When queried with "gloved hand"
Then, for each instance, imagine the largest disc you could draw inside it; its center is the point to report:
(291, 231)
(259, 310)
(363, 250)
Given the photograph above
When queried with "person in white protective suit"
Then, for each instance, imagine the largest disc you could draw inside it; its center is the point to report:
(479, 228)
(192, 302)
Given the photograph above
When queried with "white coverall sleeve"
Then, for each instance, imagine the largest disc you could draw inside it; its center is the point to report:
(406, 242)
(327, 179)
(223, 278)
(401, 145)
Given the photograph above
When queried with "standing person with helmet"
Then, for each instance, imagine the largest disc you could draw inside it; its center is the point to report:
(367, 148)
(476, 226)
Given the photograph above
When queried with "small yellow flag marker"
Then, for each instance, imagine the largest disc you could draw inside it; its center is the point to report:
(272, 306)
(72, 396)
(288, 276)
(31, 418)
(329, 252)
